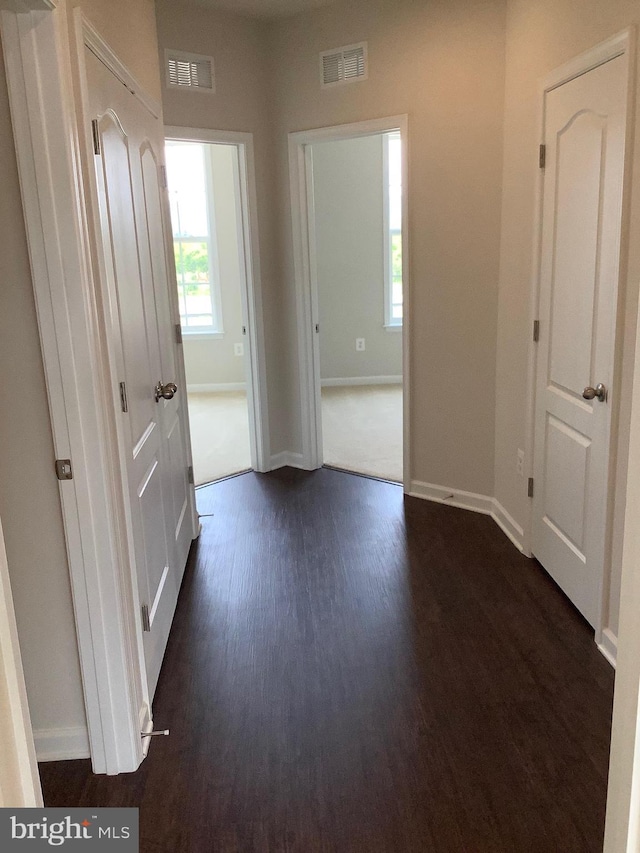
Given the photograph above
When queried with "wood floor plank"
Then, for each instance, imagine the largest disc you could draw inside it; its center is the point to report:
(354, 670)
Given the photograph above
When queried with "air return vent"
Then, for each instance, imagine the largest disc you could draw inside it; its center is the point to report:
(343, 65)
(189, 71)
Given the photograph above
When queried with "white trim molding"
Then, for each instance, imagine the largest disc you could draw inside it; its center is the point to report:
(508, 525)
(247, 224)
(287, 459)
(304, 262)
(473, 502)
(608, 645)
(452, 497)
(348, 381)
(62, 744)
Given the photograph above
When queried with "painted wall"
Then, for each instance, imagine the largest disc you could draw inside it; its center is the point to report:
(208, 360)
(242, 102)
(540, 37)
(441, 62)
(349, 206)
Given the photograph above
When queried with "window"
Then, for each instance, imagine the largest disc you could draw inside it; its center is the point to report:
(393, 230)
(194, 244)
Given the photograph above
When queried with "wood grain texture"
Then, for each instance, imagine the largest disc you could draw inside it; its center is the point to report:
(353, 670)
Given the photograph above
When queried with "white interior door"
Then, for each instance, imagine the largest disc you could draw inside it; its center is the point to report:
(583, 181)
(142, 345)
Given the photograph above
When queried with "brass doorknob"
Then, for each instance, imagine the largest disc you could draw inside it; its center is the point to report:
(165, 392)
(599, 391)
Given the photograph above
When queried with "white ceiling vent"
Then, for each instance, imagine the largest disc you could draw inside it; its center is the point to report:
(189, 71)
(343, 65)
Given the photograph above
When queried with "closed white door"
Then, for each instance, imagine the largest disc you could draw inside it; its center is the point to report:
(141, 340)
(583, 181)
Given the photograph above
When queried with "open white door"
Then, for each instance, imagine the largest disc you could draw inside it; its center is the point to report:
(19, 780)
(585, 126)
(149, 407)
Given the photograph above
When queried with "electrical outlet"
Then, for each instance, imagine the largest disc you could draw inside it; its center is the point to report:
(520, 463)
(238, 349)
(360, 345)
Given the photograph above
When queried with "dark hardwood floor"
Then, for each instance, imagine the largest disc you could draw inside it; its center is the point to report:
(351, 670)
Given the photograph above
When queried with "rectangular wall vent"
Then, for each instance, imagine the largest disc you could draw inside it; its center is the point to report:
(343, 65)
(189, 71)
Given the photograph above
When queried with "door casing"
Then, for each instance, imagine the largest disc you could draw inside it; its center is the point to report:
(300, 178)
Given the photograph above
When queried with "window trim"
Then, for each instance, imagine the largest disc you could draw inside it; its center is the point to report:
(390, 324)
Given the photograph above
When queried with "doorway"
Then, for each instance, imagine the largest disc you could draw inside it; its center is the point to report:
(213, 235)
(350, 241)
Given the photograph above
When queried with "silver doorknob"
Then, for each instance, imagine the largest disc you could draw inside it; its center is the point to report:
(165, 392)
(599, 391)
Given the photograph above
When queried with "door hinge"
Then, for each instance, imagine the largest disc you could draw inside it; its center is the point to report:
(178, 328)
(96, 136)
(163, 177)
(542, 156)
(146, 623)
(190, 474)
(317, 328)
(244, 330)
(530, 487)
(123, 397)
(64, 471)
(536, 330)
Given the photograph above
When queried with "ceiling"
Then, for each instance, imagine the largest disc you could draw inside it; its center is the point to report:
(265, 8)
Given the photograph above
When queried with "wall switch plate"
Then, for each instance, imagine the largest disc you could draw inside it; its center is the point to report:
(520, 463)
(238, 349)
(360, 345)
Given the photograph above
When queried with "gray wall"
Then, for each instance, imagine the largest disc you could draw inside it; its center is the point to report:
(348, 202)
(442, 63)
(211, 361)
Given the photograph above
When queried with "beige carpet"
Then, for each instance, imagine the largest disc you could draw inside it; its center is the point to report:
(362, 429)
(219, 435)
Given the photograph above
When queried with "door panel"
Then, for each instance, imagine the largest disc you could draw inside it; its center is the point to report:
(141, 347)
(155, 227)
(585, 138)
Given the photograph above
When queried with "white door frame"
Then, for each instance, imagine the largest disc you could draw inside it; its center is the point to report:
(19, 780)
(251, 286)
(621, 44)
(44, 84)
(304, 253)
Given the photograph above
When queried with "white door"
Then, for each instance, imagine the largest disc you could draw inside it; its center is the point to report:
(142, 345)
(583, 180)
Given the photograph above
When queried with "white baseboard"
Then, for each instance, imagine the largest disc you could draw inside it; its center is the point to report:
(608, 646)
(360, 380)
(473, 502)
(286, 459)
(452, 497)
(62, 744)
(213, 387)
(508, 525)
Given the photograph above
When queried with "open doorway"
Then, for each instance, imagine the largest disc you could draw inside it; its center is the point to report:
(357, 217)
(208, 183)
(349, 215)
